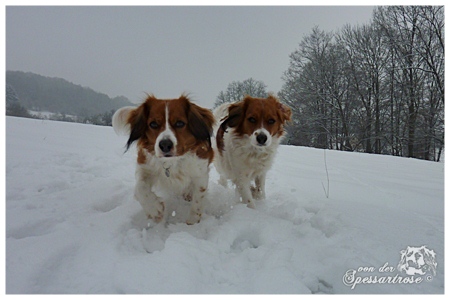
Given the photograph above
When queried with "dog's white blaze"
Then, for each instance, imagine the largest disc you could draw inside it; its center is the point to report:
(166, 134)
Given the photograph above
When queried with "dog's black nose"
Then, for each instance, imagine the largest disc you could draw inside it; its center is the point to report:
(166, 145)
(261, 138)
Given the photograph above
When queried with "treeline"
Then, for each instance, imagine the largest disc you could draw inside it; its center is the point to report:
(376, 88)
(67, 101)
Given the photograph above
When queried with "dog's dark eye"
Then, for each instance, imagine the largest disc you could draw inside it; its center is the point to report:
(252, 120)
(179, 124)
(271, 121)
(154, 125)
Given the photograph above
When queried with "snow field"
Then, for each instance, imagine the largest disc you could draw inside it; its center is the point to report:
(72, 225)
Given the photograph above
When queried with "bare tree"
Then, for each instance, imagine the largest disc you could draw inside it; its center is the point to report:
(237, 90)
(305, 90)
(415, 35)
(367, 57)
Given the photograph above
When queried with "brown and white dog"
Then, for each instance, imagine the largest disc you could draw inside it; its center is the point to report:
(246, 143)
(174, 152)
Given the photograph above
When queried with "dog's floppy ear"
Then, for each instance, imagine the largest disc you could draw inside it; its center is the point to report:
(235, 114)
(401, 264)
(120, 120)
(284, 111)
(137, 121)
(234, 118)
(200, 122)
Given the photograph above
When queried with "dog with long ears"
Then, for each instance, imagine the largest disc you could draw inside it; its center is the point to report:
(174, 152)
(246, 143)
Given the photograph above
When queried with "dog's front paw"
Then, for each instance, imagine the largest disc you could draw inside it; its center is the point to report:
(194, 217)
(155, 211)
(187, 197)
(251, 204)
(257, 193)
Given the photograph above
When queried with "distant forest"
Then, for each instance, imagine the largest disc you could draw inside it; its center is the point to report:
(28, 92)
(375, 88)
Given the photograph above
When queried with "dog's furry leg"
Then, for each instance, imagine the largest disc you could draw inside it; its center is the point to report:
(198, 194)
(258, 191)
(243, 186)
(152, 205)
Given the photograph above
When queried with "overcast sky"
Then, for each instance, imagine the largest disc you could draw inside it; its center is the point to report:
(165, 50)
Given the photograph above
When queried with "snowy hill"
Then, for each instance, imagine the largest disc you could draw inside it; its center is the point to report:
(72, 225)
(59, 96)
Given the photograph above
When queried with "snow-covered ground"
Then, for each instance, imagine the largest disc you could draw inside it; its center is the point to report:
(72, 225)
